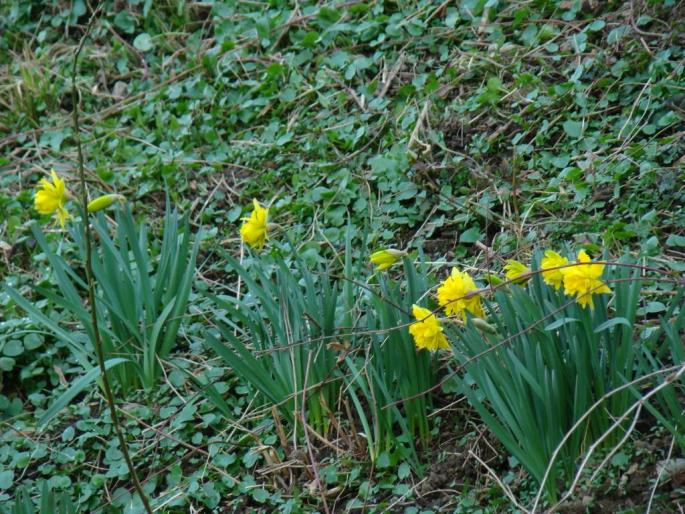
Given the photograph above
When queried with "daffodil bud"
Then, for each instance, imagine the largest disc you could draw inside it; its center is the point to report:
(483, 325)
(383, 259)
(493, 280)
(104, 201)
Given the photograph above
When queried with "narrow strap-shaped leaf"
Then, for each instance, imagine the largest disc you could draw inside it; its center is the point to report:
(58, 266)
(76, 387)
(612, 323)
(246, 365)
(139, 246)
(151, 346)
(180, 302)
(560, 323)
(80, 351)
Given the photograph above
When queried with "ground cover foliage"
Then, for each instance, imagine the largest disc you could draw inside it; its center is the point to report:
(284, 378)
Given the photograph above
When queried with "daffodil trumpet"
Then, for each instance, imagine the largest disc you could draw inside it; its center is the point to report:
(583, 280)
(427, 330)
(255, 227)
(459, 294)
(51, 198)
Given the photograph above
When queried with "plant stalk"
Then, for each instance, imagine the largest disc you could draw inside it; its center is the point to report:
(89, 279)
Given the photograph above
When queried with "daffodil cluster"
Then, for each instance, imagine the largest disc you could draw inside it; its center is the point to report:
(457, 295)
(581, 279)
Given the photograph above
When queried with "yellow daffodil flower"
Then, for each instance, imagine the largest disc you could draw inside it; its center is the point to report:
(51, 197)
(383, 259)
(453, 295)
(583, 281)
(253, 230)
(514, 269)
(554, 277)
(104, 201)
(427, 331)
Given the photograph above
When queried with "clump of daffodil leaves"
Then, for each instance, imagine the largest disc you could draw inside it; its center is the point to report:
(458, 294)
(52, 196)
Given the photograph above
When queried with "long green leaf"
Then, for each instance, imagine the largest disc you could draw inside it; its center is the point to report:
(80, 351)
(76, 387)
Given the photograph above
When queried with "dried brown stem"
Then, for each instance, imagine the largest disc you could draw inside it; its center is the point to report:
(97, 341)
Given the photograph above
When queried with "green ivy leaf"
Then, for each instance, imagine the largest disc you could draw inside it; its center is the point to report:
(6, 479)
(13, 348)
(403, 471)
(471, 235)
(143, 42)
(573, 128)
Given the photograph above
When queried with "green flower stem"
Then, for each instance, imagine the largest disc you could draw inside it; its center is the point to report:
(89, 279)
